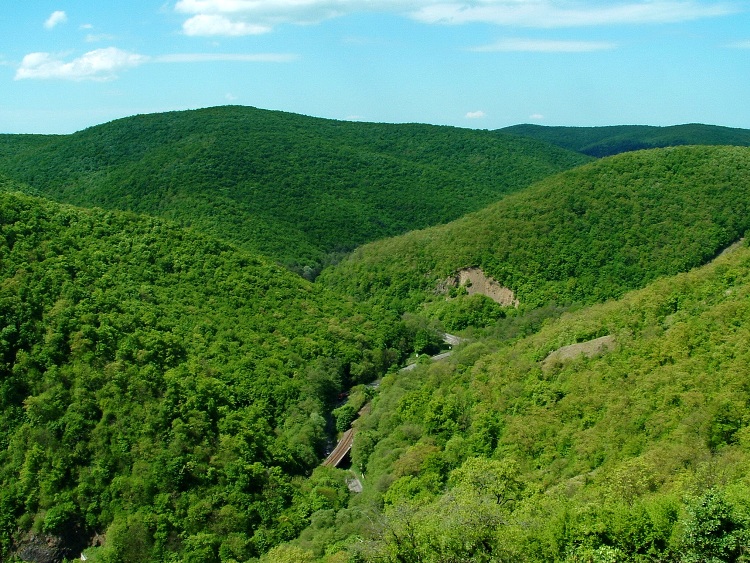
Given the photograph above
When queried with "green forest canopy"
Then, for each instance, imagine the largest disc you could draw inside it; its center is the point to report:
(291, 187)
(584, 235)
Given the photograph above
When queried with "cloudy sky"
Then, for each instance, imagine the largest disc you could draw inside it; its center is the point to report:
(69, 64)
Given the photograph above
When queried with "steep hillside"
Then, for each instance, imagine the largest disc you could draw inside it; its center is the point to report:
(607, 141)
(11, 145)
(636, 451)
(162, 388)
(294, 188)
(585, 235)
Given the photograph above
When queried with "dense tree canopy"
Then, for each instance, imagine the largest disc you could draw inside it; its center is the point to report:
(584, 235)
(291, 187)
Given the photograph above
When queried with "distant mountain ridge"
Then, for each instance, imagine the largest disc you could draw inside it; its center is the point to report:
(611, 140)
(294, 188)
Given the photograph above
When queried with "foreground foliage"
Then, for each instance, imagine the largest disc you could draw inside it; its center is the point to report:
(164, 389)
(636, 454)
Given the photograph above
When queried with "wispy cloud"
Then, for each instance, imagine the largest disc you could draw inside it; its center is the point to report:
(308, 10)
(101, 64)
(105, 64)
(545, 46)
(96, 38)
(206, 25)
(536, 116)
(739, 45)
(561, 13)
(475, 115)
(55, 19)
(246, 17)
(226, 57)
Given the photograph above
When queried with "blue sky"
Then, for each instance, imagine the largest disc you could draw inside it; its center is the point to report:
(68, 64)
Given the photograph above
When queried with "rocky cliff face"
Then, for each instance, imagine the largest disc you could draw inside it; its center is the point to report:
(40, 548)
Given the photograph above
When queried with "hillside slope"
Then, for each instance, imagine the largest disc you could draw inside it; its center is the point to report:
(607, 141)
(585, 235)
(638, 453)
(161, 386)
(291, 187)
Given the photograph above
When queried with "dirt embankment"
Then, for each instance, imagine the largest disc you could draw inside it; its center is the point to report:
(590, 349)
(475, 281)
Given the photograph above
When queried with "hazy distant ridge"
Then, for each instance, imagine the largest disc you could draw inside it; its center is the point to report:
(607, 141)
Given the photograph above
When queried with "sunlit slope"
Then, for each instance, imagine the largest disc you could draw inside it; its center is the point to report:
(146, 369)
(607, 141)
(584, 235)
(637, 453)
(293, 187)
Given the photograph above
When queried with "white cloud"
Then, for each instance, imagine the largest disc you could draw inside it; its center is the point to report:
(475, 115)
(536, 116)
(212, 24)
(230, 97)
(101, 64)
(55, 19)
(104, 64)
(545, 46)
(740, 45)
(246, 17)
(86, 26)
(286, 8)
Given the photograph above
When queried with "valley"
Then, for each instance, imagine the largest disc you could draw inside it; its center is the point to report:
(194, 304)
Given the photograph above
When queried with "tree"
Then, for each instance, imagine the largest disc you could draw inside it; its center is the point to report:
(713, 532)
(497, 479)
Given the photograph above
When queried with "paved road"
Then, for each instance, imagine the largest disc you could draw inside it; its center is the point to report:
(341, 449)
(345, 443)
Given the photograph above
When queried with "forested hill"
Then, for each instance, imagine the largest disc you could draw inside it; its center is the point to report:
(161, 386)
(607, 141)
(294, 188)
(584, 235)
(516, 452)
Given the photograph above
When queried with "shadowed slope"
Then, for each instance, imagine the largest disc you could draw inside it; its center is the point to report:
(584, 235)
